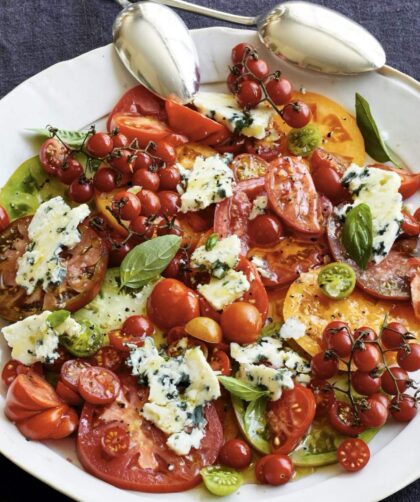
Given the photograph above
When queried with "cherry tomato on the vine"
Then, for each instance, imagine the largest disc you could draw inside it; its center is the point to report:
(324, 365)
(393, 335)
(71, 170)
(368, 357)
(296, 114)
(374, 414)
(337, 336)
(280, 90)
(324, 396)
(408, 357)
(404, 409)
(146, 179)
(150, 203)
(344, 419)
(364, 383)
(240, 51)
(81, 190)
(169, 178)
(100, 144)
(143, 161)
(258, 67)
(393, 380)
(249, 94)
(105, 180)
(126, 205)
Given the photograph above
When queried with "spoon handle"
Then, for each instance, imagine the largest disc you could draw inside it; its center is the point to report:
(205, 11)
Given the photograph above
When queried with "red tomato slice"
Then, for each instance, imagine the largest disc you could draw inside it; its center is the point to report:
(292, 194)
(247, 166)
(141, 101)
(149, 465)
(69, 396)
(410, 182)
(54, 423)
(387, 280)
(107, 357)
(353, 454)
(290, 417)
(98, 385)
(14, 368)
(191, 123)
(257, 294)
(71, 371)
(221, 137)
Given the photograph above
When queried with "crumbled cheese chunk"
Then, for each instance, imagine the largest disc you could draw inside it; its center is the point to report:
(259, 206)
(270, 379)
(209, 181)
(379, 190)
(292, 328)
(33, 339)
(179, 388)
(222, 292)
(263, 268)
(223, 108)
(53, 227)
(218, 260)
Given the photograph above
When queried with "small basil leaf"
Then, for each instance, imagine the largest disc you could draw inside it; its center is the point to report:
(241, 389)
(357, 234)
(70, 138)
(374, 144)
(147, 260)
(58, 317)
(211, 241)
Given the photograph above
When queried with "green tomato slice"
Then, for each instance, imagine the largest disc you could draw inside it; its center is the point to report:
(337, 280)
(303, 141)
(221, 481)
(251, 419)
(87, 343)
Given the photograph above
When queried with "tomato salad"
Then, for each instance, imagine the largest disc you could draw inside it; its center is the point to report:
(209, 289)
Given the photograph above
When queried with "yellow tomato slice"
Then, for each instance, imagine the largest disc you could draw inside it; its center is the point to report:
(339, 129)
(103, 200)
(186, 154)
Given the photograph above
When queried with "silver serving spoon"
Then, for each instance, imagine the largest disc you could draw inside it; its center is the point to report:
(153, 42)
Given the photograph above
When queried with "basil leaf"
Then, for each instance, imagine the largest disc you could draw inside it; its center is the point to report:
(374, 144)
(255, 434)
(70, 138)
(211, 242)
(147, 260)
(241, 389)
(357, 234)
(58, 317)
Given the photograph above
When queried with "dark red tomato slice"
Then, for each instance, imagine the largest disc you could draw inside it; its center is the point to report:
(86, 267)
(410, 182)
(141, 101)
(98, 385)
(232, 144)
(191, 123)
(292, 194)
(324, 396)
(257, 294)
(327, 170)
(71, 371)
(344, 420)
(247, 166)
(69, 396)
(290, 417)
(291, 257)
(108, 357)
(149, 465)
(387, 280)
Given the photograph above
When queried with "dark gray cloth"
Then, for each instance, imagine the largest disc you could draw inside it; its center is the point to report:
(35, 34)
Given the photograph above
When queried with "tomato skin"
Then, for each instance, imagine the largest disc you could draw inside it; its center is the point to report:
(324, 366)
(150, 203)
(409, 360)
(382, 398)
(337, 336)
(404, 409)
(81, 190)
(296, 114)
(324, 396)
(410, 182)
(171, 304)
(344, 420)
(169, 178)
(235, 453)
(98, 385)
(240, 51)
(257, 294)
(364, 383)
(265, 230)
(53, 423)
(367, 358)
(280, 90)
(353, 454)
(99, 144)
(278, 470)
(170, 202)
(119, 340)
(52, 155)
(146, 179)
(241, 322)
(249, 94)
(393, 335)
(126, 205)
(327, 171)
(290, 417)
(107, 357)
(410, 226)
(388, 384)
(137, 325)
(375, 415)
(365, 334)
(71, 371)
(14, 368)
(69, 396)
(219, 361)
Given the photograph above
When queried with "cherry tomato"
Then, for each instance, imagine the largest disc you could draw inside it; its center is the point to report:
(123, 161)
(344, 419)
(240, 51)
(232, 144)
(404, 409)
(164, 151)
(176, 267)
(327, 170)
(364, 383)
(14, 368)
(143, 161)
(81, 190)
(259, 468)
(71, 170)
(168, 226)
(374, 415)
(115, 440)
(219, 361)
(126, 205)
(235, 453)
(105, 180)
(70, 372)
(120, 341)
(382, 398)
(241, 322)
(69, 396)
(4, 219)
(146, 179)
(171, 304)
(265, 230)
(100, 144)
(280, 90)
(52, 155)
(107, 357)
(54, 423)
(118, 252)
(249, 94)
(337, 336)
(393, 335)
(400, 384)
(258, 67)
(296, 114)
(98, 385)
(232, 82)
(150, 203)
(275, 469)
(365, 334)
(142, 226)
(169, 178)
(367, 358)
(410, 225)
(290, 417)
(257, 294)
(119, 140)
(408, 357)
(205, 329)
(324, 365)
(169, 202)
(137, 325)
(353, 454)
(324, 396)
(266, 150)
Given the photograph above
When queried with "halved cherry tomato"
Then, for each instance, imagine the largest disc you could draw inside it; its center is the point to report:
(115, 440)
(290, 417)
(141, 101)
(52, 156)
(324, 396)
(410, 182)
(108, 357)
(219, 361)
(292, 194)
(68, 395)
(191, 123)
(247, 166)
(344, 420)
(327, 170)
(157, 468)
(353, 454)
(71, 371)
(98, 385)
(119, 340)
(14, 368)
(256, 294)
(410, 226)
(54, 423)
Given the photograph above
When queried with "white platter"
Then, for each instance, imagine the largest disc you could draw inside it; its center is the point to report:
(76, 93)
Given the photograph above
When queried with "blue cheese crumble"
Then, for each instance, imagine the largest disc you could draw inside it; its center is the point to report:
(259, 207)
(179, 389)
(33, 339)
(222, 292)
(218, 260)
(379, 190)
(53, 227)
(210, 180)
